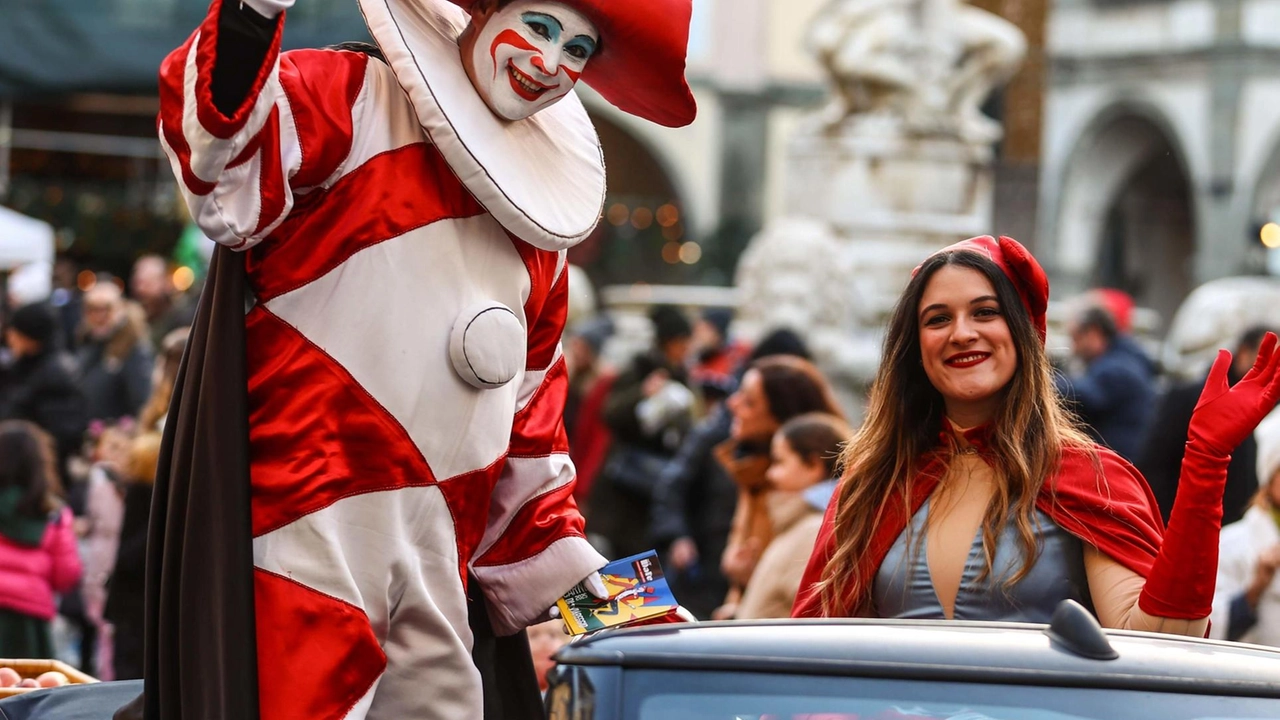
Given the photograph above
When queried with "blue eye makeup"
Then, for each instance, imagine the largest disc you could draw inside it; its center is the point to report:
(546, 26)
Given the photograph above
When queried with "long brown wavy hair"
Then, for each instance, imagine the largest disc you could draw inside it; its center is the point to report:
(900, 431)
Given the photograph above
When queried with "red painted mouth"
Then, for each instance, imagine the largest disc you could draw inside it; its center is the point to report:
(525, 86)
(967, 360)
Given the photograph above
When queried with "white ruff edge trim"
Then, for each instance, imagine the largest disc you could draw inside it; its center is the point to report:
(542, 178)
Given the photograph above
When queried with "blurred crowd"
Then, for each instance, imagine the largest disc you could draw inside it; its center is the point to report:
(85, 382)
(722, 455)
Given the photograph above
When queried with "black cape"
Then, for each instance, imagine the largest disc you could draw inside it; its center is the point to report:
(200, 661)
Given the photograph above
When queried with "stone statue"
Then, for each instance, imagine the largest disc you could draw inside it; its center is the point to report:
(925, 66)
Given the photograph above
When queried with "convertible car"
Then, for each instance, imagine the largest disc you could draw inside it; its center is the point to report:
(910, 670)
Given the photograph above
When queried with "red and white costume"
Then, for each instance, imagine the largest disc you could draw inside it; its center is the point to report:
(406, 381)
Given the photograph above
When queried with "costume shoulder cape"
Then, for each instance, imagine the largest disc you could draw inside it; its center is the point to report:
(1107, 505)
(200, 657)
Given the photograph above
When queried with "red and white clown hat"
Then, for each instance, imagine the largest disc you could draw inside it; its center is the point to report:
(543, 177)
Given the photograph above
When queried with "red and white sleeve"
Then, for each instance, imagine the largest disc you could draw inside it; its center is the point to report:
(534, 547)
(239, 171)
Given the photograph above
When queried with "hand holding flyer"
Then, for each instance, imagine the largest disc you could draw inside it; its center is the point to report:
(637, 594)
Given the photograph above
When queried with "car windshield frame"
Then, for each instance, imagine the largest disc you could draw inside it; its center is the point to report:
(685, 694)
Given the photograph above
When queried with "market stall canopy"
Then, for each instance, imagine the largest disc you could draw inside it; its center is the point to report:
(66, 46)
(26, 255)
(24, 240)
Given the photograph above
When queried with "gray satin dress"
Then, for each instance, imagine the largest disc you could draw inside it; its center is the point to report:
(904, 589)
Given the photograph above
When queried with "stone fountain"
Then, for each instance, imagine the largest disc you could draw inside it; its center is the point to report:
(897, 164)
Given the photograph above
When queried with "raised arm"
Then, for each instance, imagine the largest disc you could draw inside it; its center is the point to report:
(246, 129)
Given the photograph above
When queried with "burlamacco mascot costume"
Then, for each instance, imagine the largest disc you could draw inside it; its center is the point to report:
(367, 427)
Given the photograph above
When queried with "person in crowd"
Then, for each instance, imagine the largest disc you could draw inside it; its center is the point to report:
(774, 390)
(590, 381)
(1161, 455)
(1246, 600)
(163, 377)
(969, 493)
(67, 301)
(114, 356)
(695, 498)
(715, 359)
(1116, 393)
(38, 554)
(40, 384)
(802, 476)
(151, 286)
(125, 594)
(648, 411)
(545, 640)
(104, 513)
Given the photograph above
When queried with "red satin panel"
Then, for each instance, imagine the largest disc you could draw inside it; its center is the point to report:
(391, 194)
(467, 497)
(317, 655)
(172, 102)
(542, 521)
(544, 336)
(271, 182)
(538, 429)
(321, 100)
(315, 436)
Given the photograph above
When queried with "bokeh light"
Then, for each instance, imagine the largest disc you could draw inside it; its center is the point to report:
(690, 253)
(618, 214)
(85, 280)
(641, 218)
(671, 252)
(673, 232)
(1271, 235)
(668, 215)
(183, 278)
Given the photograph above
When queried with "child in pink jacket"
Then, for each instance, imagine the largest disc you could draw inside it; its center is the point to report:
(38, 554)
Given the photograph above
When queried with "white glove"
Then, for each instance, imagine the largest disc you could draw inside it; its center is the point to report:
(268, 8)
(594, 585)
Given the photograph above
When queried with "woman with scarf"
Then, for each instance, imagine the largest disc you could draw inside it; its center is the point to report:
(969, 493)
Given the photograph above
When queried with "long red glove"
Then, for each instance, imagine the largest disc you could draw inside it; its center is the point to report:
(1180, 584)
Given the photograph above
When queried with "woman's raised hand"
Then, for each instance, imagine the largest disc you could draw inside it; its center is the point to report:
(1225, 415)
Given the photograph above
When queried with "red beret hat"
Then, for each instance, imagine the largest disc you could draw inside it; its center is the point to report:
(1023, 271)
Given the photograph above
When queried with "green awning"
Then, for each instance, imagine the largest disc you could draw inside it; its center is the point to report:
(50, 47)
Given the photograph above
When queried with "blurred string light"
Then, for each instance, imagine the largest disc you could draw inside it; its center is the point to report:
(618, 214)
(668, 215)
(673, 232)
(690, 253)
(671, 253)
(641, 218)
(1270, 235)
(183, 278)
(85, 280)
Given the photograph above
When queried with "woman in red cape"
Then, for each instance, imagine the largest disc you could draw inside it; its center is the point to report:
(969, 493)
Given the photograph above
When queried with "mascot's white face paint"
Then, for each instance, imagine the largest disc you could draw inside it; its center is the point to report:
(530, 54)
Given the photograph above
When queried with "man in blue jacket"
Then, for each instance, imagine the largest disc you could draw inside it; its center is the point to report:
(1116, 393)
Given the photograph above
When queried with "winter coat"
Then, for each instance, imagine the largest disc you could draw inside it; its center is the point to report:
(128, 578)
(746, 464)
(618, 511)
(36, 566)
(773, 587)
(115, 373)
(696, 498)
(105, 515)
(1241, 544)
(1115, 396)
(1161, 458)
(42, 389)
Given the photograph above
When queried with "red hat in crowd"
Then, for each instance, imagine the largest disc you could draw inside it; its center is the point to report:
(1119, 304)
(639, 66)
(1023, 271)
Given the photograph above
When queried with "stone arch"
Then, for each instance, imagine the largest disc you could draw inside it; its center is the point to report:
(1125, 215)
(628, 243)
(1264, 186)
